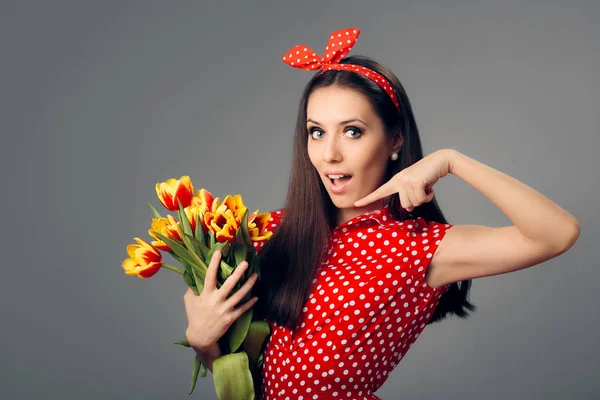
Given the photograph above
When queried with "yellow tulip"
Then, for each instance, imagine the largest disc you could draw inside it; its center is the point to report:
(222, 224)
(144, 261)
(193, 213)
(166, 227)
(236, 205)
(257, 226)
(168, 192)
(202, 197)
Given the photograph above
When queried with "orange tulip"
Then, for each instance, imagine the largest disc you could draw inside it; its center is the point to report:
(144, 261)
(168, 192)
(166, 227)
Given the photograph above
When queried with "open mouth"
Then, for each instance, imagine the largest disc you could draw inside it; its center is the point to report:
(339, 182)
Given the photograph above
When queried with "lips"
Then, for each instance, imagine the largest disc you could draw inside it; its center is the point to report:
(338, 186)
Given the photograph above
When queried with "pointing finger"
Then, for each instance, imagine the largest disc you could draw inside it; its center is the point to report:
(383, 191)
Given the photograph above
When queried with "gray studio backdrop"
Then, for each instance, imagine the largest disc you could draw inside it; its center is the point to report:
(101, 100)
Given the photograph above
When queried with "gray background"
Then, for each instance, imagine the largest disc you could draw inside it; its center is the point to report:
(101, 100)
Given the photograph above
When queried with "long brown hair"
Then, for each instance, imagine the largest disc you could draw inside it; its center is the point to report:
(291, 256)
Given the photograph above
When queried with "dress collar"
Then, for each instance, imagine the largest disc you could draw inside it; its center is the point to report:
(383, 216)
(380, 215)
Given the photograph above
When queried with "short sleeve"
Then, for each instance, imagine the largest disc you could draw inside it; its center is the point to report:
(426, 238)
(272, 225)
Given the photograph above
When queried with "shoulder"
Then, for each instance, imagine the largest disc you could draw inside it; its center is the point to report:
(417, 240)
(271, 225)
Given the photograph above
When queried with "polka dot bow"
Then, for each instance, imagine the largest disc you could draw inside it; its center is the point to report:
(340, 43)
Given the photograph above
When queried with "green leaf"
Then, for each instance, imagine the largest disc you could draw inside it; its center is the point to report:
(212, 240)
(179, 250)
(192, 253)
(184, 343)
(197, 364)
(185, 223)
(224, 272)
(239, 253)
(242, 236)
(255, 263)
(223, 247)
(201, 247)
(232, 377)
(254, 341)
(193, 250)
(156, 213)
(199, 233)
(236, 334)
(190, 266)
(188, 279)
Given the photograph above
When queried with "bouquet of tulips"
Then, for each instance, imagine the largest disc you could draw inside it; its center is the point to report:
(205, 225)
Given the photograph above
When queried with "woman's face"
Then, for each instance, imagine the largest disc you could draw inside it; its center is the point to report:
(345, 136)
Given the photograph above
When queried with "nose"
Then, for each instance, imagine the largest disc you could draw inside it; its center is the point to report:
(331, 150)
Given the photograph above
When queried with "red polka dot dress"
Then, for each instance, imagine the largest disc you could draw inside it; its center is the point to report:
(368, 304)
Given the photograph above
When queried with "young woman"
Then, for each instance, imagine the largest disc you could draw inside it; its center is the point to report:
(362, 258)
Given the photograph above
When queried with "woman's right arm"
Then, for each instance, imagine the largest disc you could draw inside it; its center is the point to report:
(208, 355)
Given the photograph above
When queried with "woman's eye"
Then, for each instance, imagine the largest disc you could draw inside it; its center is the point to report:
(313, 130)
(358, 131)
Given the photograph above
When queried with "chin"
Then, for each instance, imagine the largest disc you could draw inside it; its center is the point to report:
(345, 201)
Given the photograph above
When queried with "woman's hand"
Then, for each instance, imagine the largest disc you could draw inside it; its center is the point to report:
(211, 313)
(414, 183)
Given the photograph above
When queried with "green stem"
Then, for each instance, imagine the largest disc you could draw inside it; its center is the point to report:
(172, 268)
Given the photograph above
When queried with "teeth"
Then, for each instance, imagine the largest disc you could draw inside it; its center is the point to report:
(335, 176)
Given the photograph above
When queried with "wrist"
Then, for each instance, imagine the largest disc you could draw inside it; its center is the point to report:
(193, 341)
(451, 156)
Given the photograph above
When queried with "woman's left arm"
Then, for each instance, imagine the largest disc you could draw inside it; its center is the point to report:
(541, 230)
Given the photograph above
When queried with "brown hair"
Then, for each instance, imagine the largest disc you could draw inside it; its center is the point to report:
(290, 257)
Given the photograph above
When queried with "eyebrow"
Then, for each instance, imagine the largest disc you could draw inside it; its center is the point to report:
(341, 123)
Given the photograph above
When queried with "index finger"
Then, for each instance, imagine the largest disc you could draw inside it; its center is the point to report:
(383, 191)
(210, 281)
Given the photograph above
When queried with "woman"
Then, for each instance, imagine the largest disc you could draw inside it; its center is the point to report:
(361, 258)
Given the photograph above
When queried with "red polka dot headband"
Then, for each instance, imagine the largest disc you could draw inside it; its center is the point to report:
(340, 43)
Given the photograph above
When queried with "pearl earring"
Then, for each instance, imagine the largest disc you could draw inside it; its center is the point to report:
(394, 156)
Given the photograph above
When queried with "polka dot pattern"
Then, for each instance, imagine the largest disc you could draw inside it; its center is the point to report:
(368, 304)
(339, 45)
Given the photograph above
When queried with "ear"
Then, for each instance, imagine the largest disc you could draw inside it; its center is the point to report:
(397, 142)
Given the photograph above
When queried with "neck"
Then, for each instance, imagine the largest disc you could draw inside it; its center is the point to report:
(346, 214)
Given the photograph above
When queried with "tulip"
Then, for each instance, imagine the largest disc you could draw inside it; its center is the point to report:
(236, 205)
(144, 261)
(193, 212)
(257, 226)
(167, 227)
(173, 189)
(203, 197)
(222, 224)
